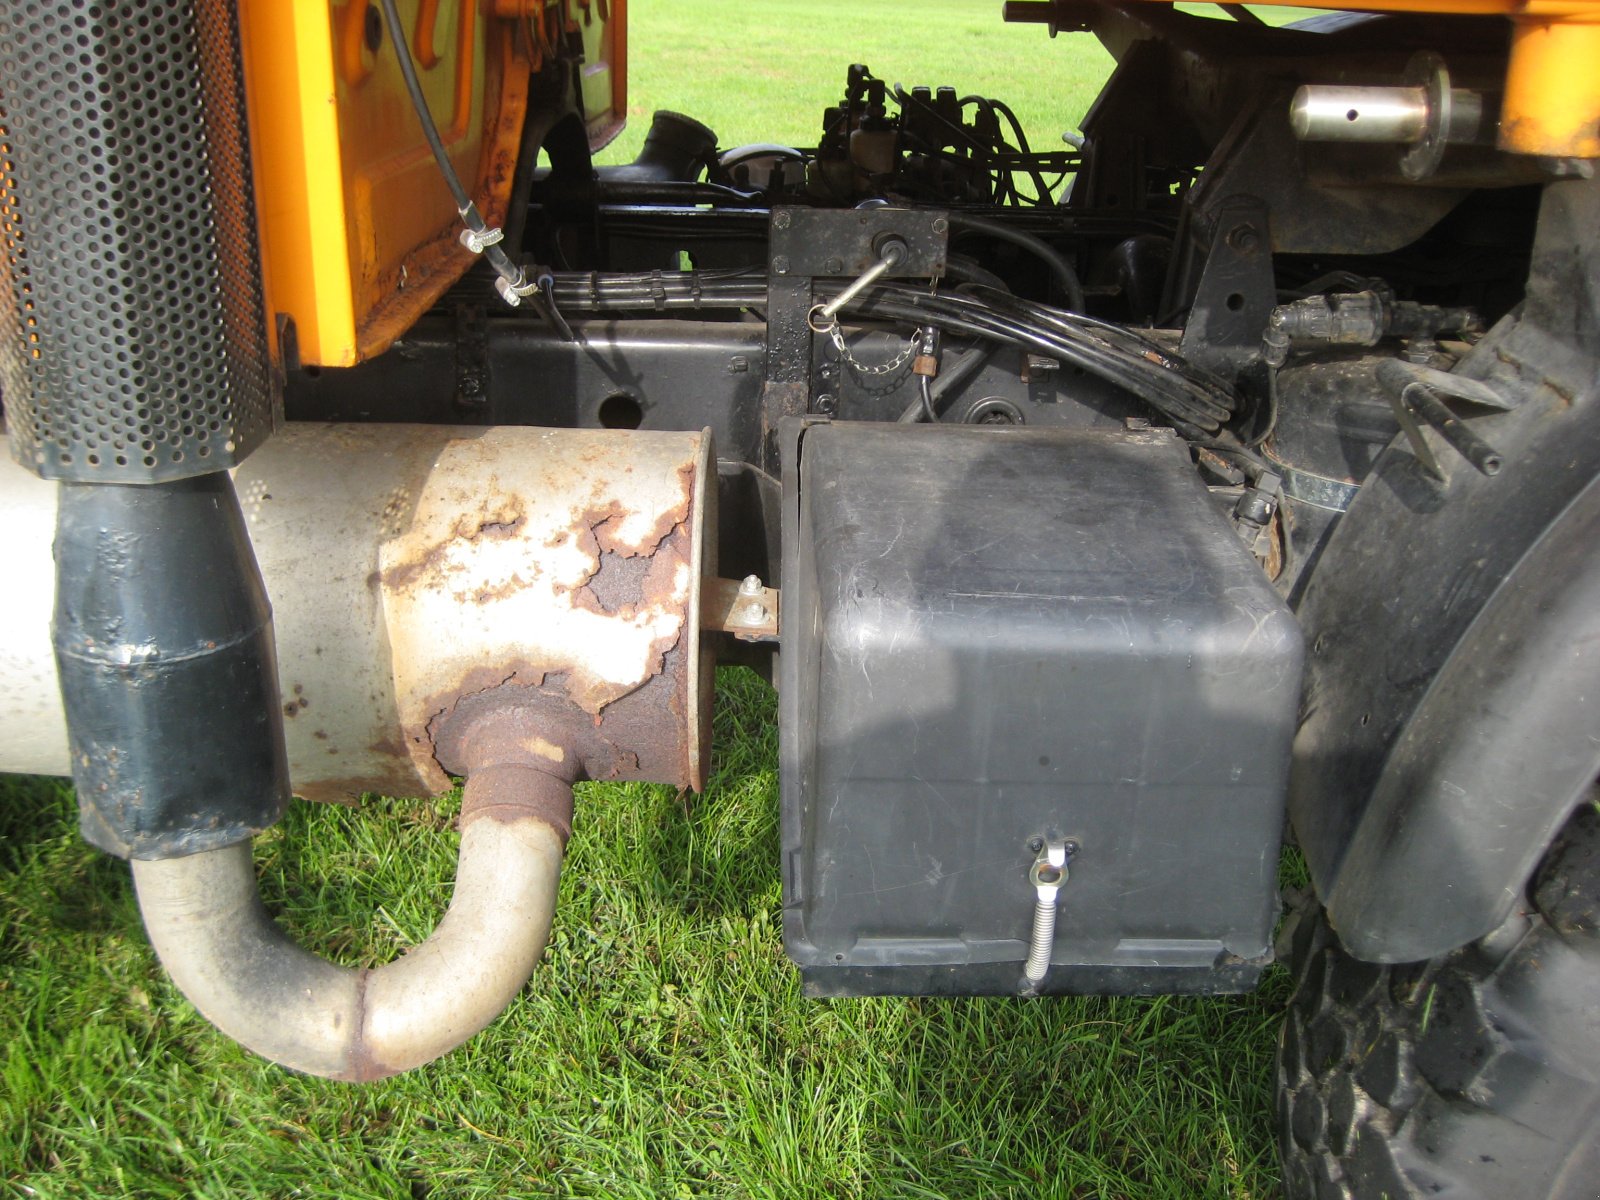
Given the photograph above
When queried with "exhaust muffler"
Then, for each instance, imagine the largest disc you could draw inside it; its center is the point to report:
(516, 606)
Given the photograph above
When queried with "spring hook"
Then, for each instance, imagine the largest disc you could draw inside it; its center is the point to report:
(1048, 873)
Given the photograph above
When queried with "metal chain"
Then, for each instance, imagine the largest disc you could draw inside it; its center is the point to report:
(861, 368)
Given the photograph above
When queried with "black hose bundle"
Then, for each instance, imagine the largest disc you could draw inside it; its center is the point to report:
(1066, 276)
(1196, 403)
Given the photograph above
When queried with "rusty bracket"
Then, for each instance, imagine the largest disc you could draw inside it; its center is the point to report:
(746, 608)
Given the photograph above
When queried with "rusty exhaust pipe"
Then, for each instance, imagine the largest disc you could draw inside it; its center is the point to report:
(517, 606)
(225, 953)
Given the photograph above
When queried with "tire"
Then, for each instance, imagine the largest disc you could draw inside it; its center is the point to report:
(1473, 1076)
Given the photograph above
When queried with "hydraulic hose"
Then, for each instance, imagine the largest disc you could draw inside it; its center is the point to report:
(215, 938)
(1071, 285)
(926, 405)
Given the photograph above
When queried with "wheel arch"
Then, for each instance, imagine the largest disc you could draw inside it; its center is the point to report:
(1450, 721)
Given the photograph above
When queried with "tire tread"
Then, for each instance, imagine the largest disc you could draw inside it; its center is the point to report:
(1475, 1075)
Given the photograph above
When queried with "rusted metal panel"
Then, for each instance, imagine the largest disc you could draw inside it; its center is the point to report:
(558, 573)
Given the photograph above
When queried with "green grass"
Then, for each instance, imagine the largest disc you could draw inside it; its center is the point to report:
(663, 1049)
(764, 70)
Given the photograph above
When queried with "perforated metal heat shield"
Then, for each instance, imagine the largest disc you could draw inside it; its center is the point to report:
(133, 342)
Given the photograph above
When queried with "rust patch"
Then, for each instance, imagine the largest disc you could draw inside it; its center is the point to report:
(621, 704)
(615, 588)
(499, 523)
(350, 791)
(500, 591)
(347, 792)
(640, 735)
(607, 521)
(512, 791)
(405, 574)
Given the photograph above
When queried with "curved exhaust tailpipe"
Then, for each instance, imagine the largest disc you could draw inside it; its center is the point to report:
(226, 954)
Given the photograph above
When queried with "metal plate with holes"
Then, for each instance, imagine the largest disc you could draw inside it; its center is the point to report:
(815, 241)
(133, 347)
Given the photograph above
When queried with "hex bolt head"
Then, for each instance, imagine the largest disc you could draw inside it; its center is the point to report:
(750, 585)
(780, 264)
(780, 220)
(834, 266)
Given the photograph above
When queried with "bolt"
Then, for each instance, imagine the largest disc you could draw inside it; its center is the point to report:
(833, 266)
(753, 613)
(940, 225)
(780, 264)
(1244, 238)
(780, 220)
(827, 405)
(750, 585)
(1035, 844)
(738, 365)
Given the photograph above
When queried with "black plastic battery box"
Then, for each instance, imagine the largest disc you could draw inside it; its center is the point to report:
(997, 638)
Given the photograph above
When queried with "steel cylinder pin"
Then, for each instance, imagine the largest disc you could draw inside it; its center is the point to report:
(891, 254)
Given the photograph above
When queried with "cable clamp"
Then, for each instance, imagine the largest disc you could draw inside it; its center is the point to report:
(479, 240)
(512, 290)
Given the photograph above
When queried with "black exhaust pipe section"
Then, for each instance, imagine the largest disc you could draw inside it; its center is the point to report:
(163, 641)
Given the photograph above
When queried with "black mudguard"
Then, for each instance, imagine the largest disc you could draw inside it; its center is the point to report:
(1451, 717)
